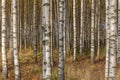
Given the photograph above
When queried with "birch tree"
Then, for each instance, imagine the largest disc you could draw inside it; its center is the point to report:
(107, 40)
(67, 27)
(35, 32)
(81, 30)
(61, 21)
(3, 36)
(118, 55)
(15, 47)
(64, 31)
(113, 34)
(92, 32)
(46, 39)
(51, 28)
(25, 24)
(11, 39)
(20, 24)
(74, 27)
(98, 27)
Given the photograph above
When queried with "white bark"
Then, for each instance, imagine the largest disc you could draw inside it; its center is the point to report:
(113, 34)
(11, 39)
(3, 36)
(81, 30)
(46, 39)
(107, 41)
(64, 31)
(74, 28)
(92, 32)
(15, 47)
(61, 40)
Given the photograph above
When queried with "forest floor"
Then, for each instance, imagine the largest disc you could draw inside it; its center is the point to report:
(81, 69)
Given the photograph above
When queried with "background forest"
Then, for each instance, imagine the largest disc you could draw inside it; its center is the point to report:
(59, 39)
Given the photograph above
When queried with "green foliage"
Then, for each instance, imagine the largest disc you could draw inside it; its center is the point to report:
(86, 51)
(55, 75)
(36, 70)
(102, 52)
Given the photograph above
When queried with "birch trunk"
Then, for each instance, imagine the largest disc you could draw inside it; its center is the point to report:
(15, 47)
(11, 38)
(51, 27)
(25, 24)
(3, 36)
(98, 25)
(67, 28)
(118, 55)
(82, 22)
(18, 23)
(64, 31)
(35, 32)
(46, 39)
(107, 41)
(113, 34)
(92, 32)
(20, 26)
(61, 22)
(74, 28)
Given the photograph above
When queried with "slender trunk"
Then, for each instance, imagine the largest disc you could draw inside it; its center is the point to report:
(20, 28)
(67, 27)
(35, 32)
(46, 39)
(64, 32)
(3, 36)
(51, 24)
(61, 39)
(98, 44)
(113, 34)
(18, 23)
(74, 27)
(107, 41)
(15, 47)
(81, 30)
(92, 33)
(25, 24)
(118, 32)
(11, 38)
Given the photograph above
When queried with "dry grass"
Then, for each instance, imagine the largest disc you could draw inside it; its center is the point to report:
(81, 69)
